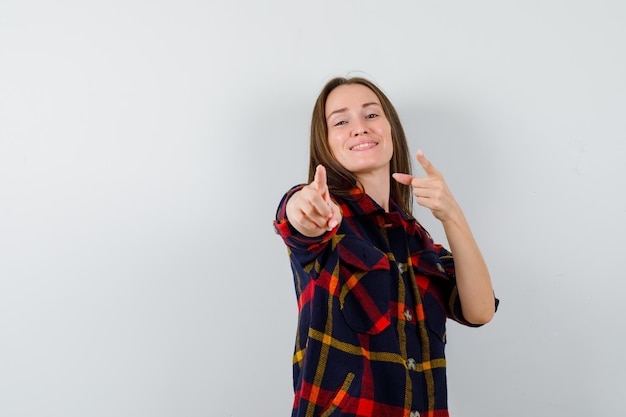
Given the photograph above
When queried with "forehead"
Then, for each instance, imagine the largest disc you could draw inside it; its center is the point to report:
(349, 95)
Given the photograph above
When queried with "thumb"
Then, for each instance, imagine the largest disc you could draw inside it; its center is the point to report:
(402, 178)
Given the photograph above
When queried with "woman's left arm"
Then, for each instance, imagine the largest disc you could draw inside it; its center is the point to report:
(472, 275)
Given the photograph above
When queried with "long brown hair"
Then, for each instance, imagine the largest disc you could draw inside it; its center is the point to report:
(340, 180)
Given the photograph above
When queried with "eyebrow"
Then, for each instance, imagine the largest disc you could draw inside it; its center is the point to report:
(373, 103)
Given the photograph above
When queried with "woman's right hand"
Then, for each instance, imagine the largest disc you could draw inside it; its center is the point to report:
(311, 211)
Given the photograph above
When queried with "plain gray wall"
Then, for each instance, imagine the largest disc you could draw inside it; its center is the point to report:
(144, 146)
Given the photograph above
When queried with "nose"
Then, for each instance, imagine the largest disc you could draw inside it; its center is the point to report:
(359, 130)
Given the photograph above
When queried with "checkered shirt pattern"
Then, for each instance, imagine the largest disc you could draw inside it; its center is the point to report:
(373, 297)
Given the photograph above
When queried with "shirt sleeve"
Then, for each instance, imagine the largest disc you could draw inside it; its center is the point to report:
(454, 307)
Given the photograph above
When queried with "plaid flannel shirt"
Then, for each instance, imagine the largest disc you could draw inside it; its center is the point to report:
(373, 298)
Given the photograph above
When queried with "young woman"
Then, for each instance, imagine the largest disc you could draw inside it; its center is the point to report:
(373, 289)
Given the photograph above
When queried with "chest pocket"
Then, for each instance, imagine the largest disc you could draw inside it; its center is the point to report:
(365, 284)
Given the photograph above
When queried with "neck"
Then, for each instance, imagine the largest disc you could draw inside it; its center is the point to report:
(377, 187)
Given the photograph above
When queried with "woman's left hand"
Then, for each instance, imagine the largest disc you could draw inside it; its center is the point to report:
(431, 191)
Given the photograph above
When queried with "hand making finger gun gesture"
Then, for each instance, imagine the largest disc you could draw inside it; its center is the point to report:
(311, 211)
(431, 191)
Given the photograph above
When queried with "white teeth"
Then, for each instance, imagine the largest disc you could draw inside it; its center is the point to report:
(363, 145)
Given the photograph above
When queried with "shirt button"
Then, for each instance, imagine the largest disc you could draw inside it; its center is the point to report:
(415, 413)
(440, 268)
(411, 364)
(408, 315)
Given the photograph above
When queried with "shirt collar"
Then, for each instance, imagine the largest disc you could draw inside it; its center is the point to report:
(363, 205)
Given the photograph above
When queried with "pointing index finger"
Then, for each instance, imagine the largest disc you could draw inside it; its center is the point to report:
(427, 166)
(320, 177)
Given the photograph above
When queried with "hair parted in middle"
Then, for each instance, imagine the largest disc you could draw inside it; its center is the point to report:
(340, 181)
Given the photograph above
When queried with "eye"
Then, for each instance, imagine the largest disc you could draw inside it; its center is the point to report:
(371, 116)
(341, 123)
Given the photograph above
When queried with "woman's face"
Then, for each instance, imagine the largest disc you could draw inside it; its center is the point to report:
(359, 134)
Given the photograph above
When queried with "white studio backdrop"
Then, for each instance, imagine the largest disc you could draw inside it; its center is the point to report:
(144, 146)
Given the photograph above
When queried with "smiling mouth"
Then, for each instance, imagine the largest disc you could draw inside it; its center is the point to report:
(363, 146)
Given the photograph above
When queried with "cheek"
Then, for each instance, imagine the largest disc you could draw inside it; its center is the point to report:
(389, 143)
(334, 143)
(331, 144)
